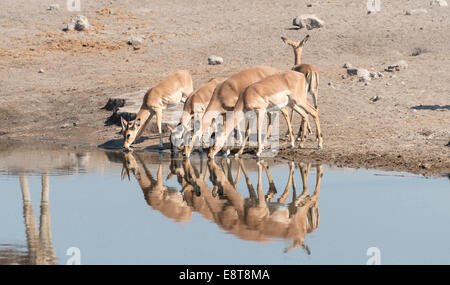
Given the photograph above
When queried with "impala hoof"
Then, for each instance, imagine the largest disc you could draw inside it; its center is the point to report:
(292, 145)
(320, 147)
(160, 146)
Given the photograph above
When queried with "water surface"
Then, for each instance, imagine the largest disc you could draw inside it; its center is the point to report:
(150, 208)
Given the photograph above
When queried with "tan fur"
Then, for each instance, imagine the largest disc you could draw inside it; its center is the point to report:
(311, 74)
(276, 91)
(195, 106)
(173, 89)
(225, 97)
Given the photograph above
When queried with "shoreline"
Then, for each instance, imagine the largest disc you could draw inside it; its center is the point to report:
(384, 162)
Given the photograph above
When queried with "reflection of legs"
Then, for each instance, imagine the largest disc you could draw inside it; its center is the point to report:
(249, 183)
(30, 221)
(285, 194)
(272, 189)
(44, 225)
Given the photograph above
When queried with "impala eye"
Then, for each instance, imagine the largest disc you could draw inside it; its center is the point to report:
(128, 136)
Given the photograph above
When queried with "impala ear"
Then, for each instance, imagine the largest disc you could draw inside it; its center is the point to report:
(124, 123)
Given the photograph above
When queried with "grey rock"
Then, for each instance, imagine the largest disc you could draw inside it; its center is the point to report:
(352, 71)
(347, 65)
(397, 66)
(78, 23)
(363, 74)
(53, 7)
(135, 41)
(213, 60)
(308, 21)
(440, 3)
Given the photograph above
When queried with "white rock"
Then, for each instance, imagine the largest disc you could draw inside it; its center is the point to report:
(399, 65)
(135, 41)
(416, 11)
(308, 21)
(363, 74)
(78, 23)
(347, 65)
(441, 3)
(41, 71)
(53, 7)
(213, 60)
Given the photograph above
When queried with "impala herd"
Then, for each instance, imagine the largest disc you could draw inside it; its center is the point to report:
(221, 106)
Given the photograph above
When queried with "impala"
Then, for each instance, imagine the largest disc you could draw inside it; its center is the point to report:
(225, 97)
(174, 89)
(311, 75)
(194, 107)
(272, 93)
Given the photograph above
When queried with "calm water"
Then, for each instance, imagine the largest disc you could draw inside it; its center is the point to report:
(58, 205)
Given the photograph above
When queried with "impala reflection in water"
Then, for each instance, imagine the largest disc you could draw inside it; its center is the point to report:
(257, 217)
(56, 198)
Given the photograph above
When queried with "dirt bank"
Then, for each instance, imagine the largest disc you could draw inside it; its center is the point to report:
(406, 129)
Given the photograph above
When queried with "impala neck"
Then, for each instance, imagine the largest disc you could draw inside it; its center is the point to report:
(298, 55)
(143, 115)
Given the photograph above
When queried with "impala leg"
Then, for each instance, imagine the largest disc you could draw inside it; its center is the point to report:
(269, 127)
(291, 120)
(159, 124)
(285, 113)
(247, 134)
(226, 147)
(304, 125)
(301, 108)
(304, 115)
(259, 122)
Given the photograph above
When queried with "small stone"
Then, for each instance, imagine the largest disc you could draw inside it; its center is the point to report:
(425, 165)
(419, 51)
(330, 84)
(416, 11)
(441, 3)
(399, 65)
(41, 71)
(309, 5)
(78, 23)
(135, 41)
(347, 65)
(343, 76)
(308, 21)
(214, 60)
(363, 74)
(352, 71)
(53, 7)
(375, 98)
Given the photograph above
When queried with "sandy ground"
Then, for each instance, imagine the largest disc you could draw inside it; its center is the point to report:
(407, 129)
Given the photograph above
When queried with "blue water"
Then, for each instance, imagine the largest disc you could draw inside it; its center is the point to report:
(110, 222)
